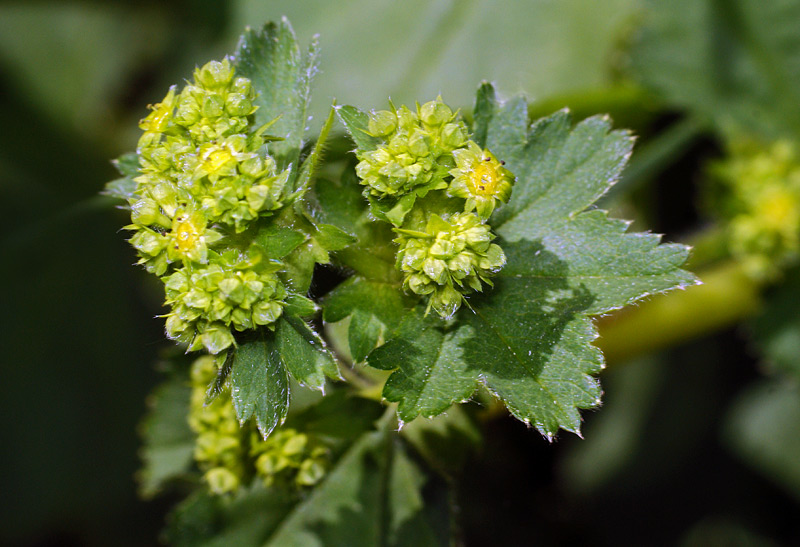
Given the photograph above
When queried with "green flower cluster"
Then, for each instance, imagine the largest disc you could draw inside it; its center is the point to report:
(763, 206)
(207, 298)
(416, 149)
(221, 446)
(230, 455)
(290, 459)
(449, 257)
(438, 188)
(205, 176)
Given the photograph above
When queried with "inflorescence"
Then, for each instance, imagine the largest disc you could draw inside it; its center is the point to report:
(438, 188)
(205, 177)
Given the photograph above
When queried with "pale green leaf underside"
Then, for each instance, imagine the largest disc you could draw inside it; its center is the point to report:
(528, 339)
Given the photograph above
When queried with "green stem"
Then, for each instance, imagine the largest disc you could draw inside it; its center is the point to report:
(726, 296)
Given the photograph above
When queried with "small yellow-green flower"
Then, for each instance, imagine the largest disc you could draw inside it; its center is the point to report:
(480, 179)
(190, 238)
(452, 257)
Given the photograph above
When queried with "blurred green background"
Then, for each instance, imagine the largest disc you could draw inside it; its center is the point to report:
(80, 342)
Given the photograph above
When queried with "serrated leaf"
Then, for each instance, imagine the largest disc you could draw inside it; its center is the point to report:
(485, 103)
(168, 439)
(357, 124)
(261, 367)
(375, 308)
(363, 334)
(260, 383)
(282, 76)
(278, 241)
(127, 164)
(314, 159)
(332, 238)
(304, 354)
(300, 306)
(122, 188)
(528, 339)
(432, 373)
(737, 62)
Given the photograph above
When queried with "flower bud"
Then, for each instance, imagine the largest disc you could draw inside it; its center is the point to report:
(382, 123)
(435, 113)
(214, 75)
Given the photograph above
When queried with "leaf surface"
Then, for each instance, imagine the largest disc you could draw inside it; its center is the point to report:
(262, 365)
(260, 383)
(776, 330)
(282, 75)
(375, 308)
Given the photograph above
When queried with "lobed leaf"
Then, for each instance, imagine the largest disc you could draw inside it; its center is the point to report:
(357, 124)
(528, 339)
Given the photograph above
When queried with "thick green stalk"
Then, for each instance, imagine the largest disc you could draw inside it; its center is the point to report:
(726, 296)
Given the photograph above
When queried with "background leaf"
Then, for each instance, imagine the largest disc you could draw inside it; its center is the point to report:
(168, 439)
(542, 48)
(776, 330)
(737, 62)
(761, 429)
